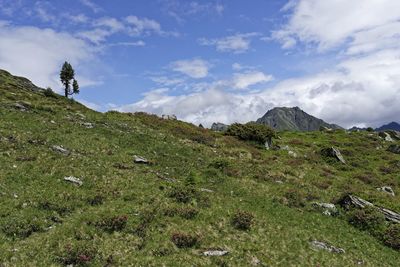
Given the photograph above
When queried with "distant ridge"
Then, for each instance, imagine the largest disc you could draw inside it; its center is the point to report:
(293, 119)
(390, 126)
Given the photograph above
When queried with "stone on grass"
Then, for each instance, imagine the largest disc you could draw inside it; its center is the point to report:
(333, 153)
(140, 160)
(73, 180)
(215, 252)
(206, 190)
(88, 125)
(61, 150)
(328, 208)
(292, 154)
(386, 136)
(394, 149)
(168, 117)
(20, 107)
(324, 246)
(386, 189)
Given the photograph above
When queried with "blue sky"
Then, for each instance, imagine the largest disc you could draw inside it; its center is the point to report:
(214, 60)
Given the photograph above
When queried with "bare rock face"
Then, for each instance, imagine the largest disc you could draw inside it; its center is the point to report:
(219, 127)
(325, 246)
(386, 136)
(386, 189)
(333, 153)
(394, 149)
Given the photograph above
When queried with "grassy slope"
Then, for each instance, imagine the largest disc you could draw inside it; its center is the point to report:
(34, 196)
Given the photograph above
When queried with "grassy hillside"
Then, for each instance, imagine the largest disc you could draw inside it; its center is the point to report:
(196, 188)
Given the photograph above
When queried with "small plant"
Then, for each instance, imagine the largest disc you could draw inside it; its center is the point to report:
(367, 219)
(391, 237)
(77, 254)
(112, 224)
(184, 240)
(295, 198)
(242, 220)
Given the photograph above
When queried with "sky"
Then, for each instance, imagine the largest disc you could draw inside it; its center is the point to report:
(214, 60)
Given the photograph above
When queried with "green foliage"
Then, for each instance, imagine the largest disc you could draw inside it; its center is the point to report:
(112, 223)
(78, 253)
(184, 240)
(67, 74)
(242, 220)
(367, 219)
(183, 194)
(23, 224)
(251, 131)
(295, 198)
(48, 92)
(391, 236)
(370, 129)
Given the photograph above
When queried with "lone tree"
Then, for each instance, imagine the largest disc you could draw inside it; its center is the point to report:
(67, 74)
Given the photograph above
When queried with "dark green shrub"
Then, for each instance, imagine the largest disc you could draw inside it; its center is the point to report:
(367, 219)
(391, 236)
(242, 220)
(112, 224)
(184, 240)
(95, 200)
(77, 254)
(48, 92)
(251, 131)
(183, 194)
(370, 129)
(295, 198)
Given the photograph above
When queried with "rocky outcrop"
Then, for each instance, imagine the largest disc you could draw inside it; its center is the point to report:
(333, 153)
(394, 149)
(219, 127)
(319, 245)
(293, 119)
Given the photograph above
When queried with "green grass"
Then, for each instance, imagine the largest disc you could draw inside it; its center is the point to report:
(126, 214)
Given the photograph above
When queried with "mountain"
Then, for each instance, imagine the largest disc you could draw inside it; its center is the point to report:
(391, 126)
(84, 188)
(293, 119)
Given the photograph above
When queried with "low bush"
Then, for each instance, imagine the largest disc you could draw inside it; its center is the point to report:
(242, 220)
(295, 198)
(184, 240)
(183, 212)
(48, 92)
(251, 131)
(391, 236)
(77, 254)
(113, 223)
(183, 194)
(367, 219)
(23, 225)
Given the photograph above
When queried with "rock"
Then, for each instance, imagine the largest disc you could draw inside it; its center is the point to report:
(206, 190)
(350, 201)
(328, 208)
(88, 125)
(254, 261)
(333, 153)
(324, 246)
(73, 180)
(268, 143)
(215, 252)
(201, 126)
(168, 117)
(394, 149)
(386, 136)
(219, 127)
(386, 189)
(20, 107)
(140, 160)
(293, 154)
(61, 150)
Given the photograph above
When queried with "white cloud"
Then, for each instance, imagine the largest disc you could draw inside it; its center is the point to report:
(90, 4)
(237, 43)
(194, 68)
(139, 26)
(244, 80)
(328, 24)
(38, 53)
(112, 24)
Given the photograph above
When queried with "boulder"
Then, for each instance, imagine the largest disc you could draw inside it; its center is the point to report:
(61, 150)
(394, 149)
(219, 127)
(88, 125)
(333, 153)
(386, 189)
(73, 180)
(324, 246)
(140, 160)
(215, 252)
(386, 136)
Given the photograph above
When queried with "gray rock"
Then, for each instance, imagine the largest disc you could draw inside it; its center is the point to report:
(394, 149)
(73, 180)
(61, 150)
(206, 190)
(329, 209)
(293, 154)
(268, 143)
(219, 127)
(386, 136)
(324, 246)
(140, 160)
(386, 189)
(333, 153)
(168, 117)
(215, 252)
(88, 125)
(20, 107)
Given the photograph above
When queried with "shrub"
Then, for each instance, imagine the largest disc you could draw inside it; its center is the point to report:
(242, 220)
(184, 240)
(251, 131)
(95, 200)
(391, 236)
(182, 194)
(295, 198)
(48, 92)
(77, 254)
(112, 224)
(370, 129)
(367, 219)
(23, 225)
